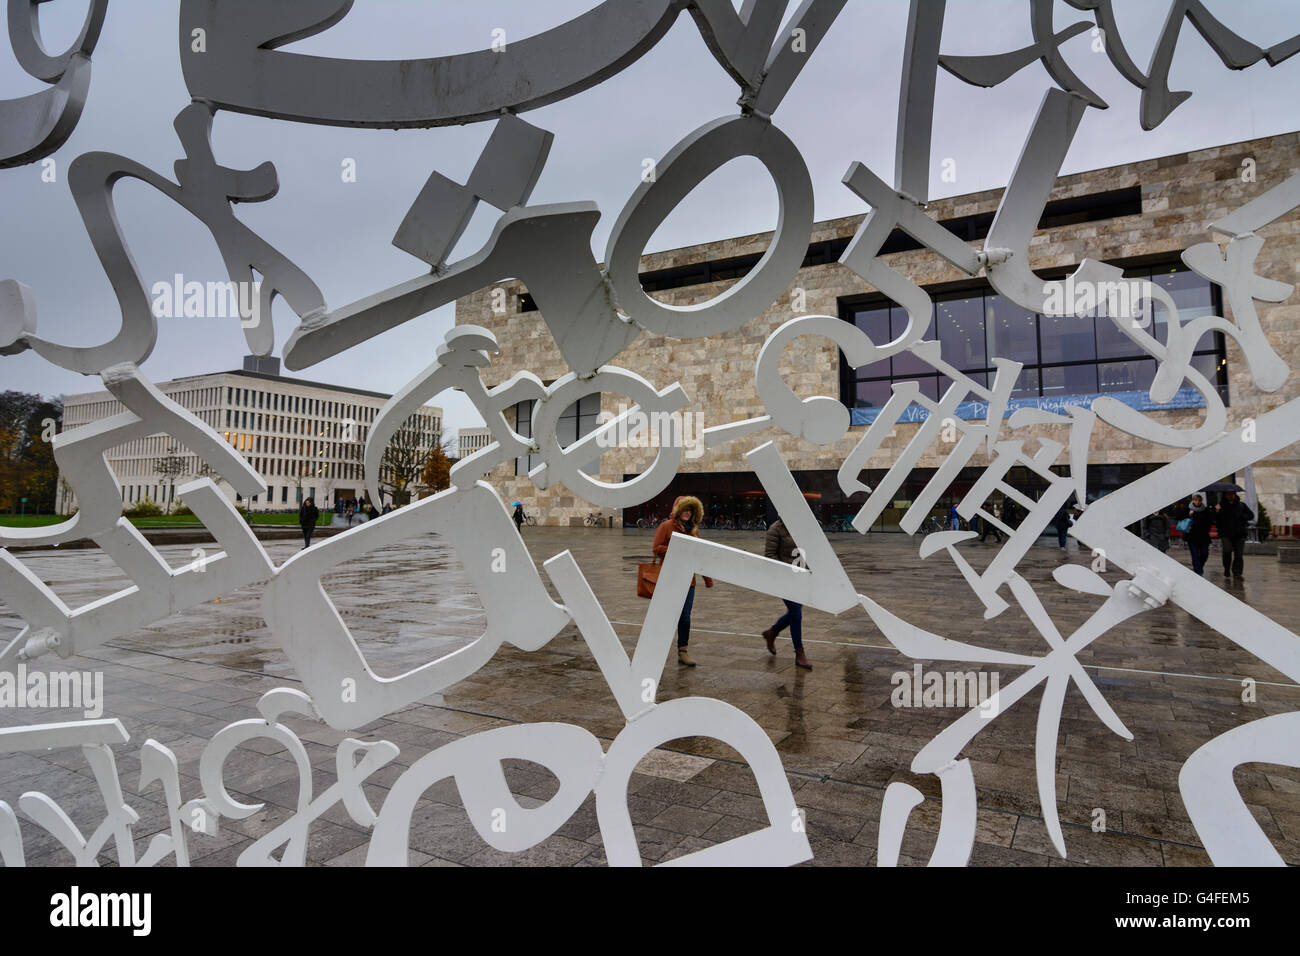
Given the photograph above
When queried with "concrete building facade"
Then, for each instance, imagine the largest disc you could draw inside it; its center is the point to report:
(305, 439)
(1139, 216)
(470, 440)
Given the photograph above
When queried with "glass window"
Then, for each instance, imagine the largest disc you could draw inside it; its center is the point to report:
(1131, 376)
(1069, 380)
(1067, 338)
(1026, 384)
(524, 426)
(979, 378)
(577, 420)
(1012, 331)
(1192, 295)
(961, 331)
(872, 394)
(874, 322)
(905, 364)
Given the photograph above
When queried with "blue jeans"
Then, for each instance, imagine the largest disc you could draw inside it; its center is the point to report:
(1061, 531)
(793, 618)
(1200, 554)
(684, 622)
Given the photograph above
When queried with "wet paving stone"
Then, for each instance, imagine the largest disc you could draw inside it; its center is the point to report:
(1172, 681)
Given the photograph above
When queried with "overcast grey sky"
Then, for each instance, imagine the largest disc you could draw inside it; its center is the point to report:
(841, 109)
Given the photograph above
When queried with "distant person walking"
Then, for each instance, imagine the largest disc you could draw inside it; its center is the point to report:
(1155, 530)
(1233, 519)
(1061, 522)
(308, 514)
(687, 514)
(519, 517)
(780, 546)
(987, 528)
(1198, 533)
(954, 519)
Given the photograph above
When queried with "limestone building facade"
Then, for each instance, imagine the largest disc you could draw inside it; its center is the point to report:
(1139, 216)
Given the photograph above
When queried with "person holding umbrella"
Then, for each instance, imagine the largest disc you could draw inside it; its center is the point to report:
(518, 515)
(1233, 519)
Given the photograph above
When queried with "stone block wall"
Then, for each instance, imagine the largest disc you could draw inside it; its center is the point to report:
(1181, 195)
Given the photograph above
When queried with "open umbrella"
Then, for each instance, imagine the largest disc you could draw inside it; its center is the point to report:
(514, 503)
(1222, 486)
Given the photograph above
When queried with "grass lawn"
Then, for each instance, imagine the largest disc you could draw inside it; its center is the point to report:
(156, 521)
(29, 521)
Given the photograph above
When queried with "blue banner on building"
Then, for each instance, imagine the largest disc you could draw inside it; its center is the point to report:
(975, 411)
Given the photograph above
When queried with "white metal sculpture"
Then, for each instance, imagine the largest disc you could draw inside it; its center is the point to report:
(595, 312)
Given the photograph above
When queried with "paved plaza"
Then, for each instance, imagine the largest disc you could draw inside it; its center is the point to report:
(1174, 682)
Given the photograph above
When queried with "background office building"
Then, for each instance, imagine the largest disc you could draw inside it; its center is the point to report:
(305, 439)
(1138, 216)
(470, 440)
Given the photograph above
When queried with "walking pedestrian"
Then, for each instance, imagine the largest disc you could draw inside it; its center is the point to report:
(686, 516)
(779, 544)
(954, 519)
(308, 514)
(518, 516)
(987, 528)
(1233, 519)
(1155, 530)
(1198, 532)
(1062, 524)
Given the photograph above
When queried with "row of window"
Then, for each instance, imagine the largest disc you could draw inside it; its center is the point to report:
(298, 405)
(1062, 355)
(577, 420)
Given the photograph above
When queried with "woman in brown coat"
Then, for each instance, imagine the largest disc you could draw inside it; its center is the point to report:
(687, 514)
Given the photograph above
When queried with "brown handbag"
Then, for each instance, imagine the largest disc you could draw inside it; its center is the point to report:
(647, 576)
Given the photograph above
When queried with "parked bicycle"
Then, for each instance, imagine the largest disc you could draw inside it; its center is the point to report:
(933, 524)
(594, 519)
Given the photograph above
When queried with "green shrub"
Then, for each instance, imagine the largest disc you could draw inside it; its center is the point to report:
(147, 508)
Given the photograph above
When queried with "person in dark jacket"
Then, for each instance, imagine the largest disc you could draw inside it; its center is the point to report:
(1061, 522)
(1233, 519)
(1155, 530)
(308, 514)
(780, 546)
(1198, 535)
(518, 517)
(987, 528)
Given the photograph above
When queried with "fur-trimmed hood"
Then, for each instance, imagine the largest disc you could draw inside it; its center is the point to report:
(688, 501)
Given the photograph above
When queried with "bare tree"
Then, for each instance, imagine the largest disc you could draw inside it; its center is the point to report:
(170, 467)
(404, 459)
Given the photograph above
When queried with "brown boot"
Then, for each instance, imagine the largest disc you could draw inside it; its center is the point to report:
(801, 661)
(684, 657)
(770, 636)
